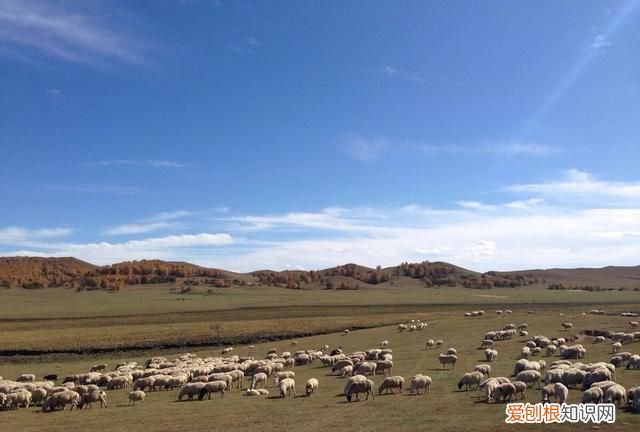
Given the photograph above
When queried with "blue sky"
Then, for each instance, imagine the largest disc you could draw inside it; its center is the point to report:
(246, 134)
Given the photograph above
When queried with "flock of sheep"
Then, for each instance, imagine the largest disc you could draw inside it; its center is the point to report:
(194, 378)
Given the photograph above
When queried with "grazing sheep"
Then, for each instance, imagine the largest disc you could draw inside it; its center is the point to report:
(489, 385)
(100, 367)
(287, 386)
(486, 343)
(311, 386)
(38, 395)
(282, 375)
(430, 344)
(439, 342)
(143, 383)
(547, 392)
(347, 331)
(634, 324)
(452, 351)
(573, 377)
(504, 392)
(521, 389)
(50, 377)
(561, 392)
(340, 364)
(567, 325)
(346, 371)
(213, 387)
(616, 347)
(550, 350)
(18, 398)
(484, 369)
(384, 344)
(356, 385)
(445, 359)
(390, 383)
(418, 382)
(95, 396)
(525, 352)
(384, 366)
(259, 378)
(553, 376)
(365, 368)
(26, 378)
(636, 399)
(597, 375)
(190, 390)
(490, 354)
(592, 395)
(529, 377)
(59, 400)
(136, 396)
(616, 393)
(470, 379)
(633, 362)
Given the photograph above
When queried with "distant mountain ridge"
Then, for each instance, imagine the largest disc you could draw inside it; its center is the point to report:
(37, 272)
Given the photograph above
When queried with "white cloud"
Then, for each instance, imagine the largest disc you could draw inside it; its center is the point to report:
(162, 220)
(576, 183)
(152, 163)
(388, 70)
(19, 235)
(94, 188)
(509, 149)
(600, 41)
(136, 228)
(172, 247)
(364, 148)
(66, 31)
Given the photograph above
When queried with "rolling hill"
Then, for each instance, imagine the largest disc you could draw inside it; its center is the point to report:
(36, 272)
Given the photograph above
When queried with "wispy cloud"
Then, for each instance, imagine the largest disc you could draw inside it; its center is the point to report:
(54, 92)
(581, 184)
(156, 222)
(94, 188)
(20, 235)
(363, 148)
(508, 149)
(150, 163)
(66, 31)
(388, 70)
(248, 46)
(600, 41)
(172, 247)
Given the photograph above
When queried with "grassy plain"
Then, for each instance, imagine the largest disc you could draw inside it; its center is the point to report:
(147, 317)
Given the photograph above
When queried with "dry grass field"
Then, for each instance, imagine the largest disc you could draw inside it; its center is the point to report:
(75, 330)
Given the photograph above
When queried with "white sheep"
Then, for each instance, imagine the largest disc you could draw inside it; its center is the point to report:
(259, 378)
(470, 379)
(521, 389)
(390, 383)
(95, 396)
(311, 386)
(287, 387)
(279, 376)
(504, 392)
(567, 325)
(561, 392)
(616, 393)
(529, 377)
(484, 369)
(592, 395)
(190, 390)
(490, 354)
(356, 385)
(213, 387)
(445, 359)
(136, 396)
(418, 382)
